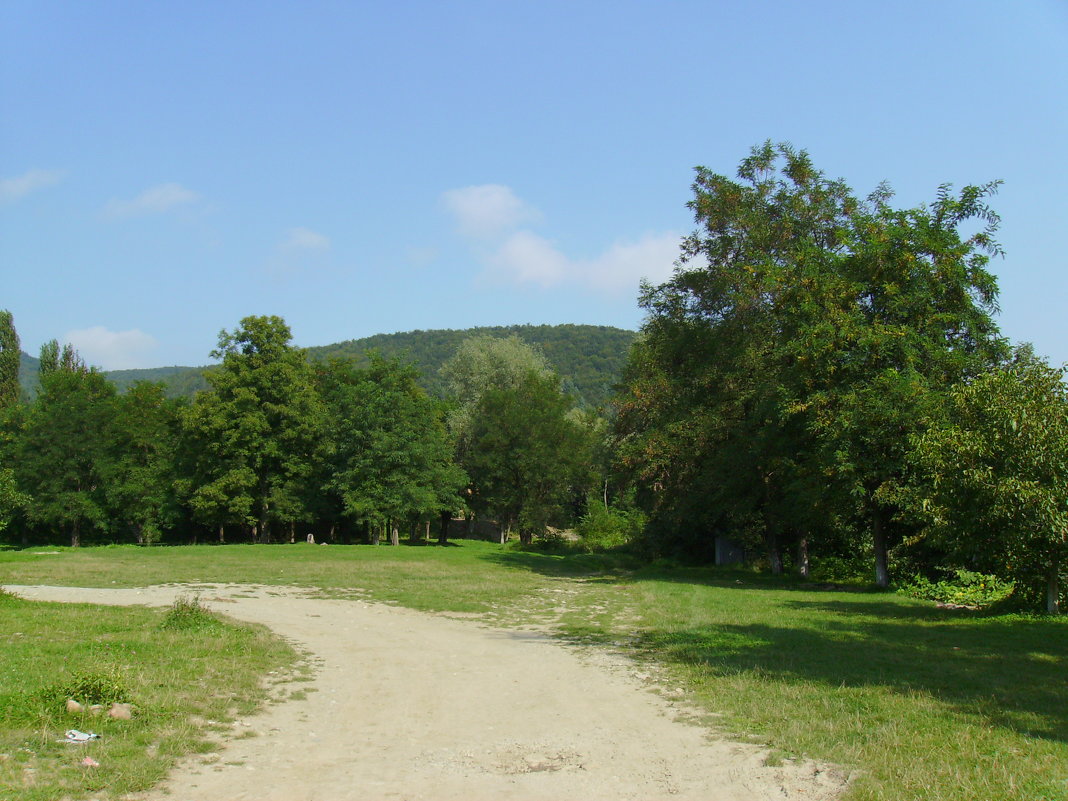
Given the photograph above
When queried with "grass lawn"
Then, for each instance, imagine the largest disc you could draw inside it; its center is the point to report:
(45, 647)
(920, 703)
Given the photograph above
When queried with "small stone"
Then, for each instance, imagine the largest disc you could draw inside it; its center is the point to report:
(120, 711)
(95, 709)
(73, 707)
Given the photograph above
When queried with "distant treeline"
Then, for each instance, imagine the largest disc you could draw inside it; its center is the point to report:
(588, 358)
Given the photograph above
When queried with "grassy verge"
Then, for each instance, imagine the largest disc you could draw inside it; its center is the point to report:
(186, 678)
(921, 703)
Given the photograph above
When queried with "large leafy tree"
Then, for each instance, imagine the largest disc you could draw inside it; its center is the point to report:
(525, 453)
(482, 363)
(63, 449)
(702, 421)
(390, 455)
(258, 428)
(787, 361)
(139, 473)
(996, 465)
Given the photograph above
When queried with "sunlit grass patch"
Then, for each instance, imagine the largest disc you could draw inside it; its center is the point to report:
(177, 681)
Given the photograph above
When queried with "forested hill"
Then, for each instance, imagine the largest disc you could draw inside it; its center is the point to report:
(588, 358)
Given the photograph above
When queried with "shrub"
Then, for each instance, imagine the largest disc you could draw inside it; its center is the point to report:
(102, 686)
(187, 614)
(966, 588)
(601, 529)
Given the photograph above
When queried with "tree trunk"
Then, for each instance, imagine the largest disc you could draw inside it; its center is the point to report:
(878, 536)
(803, 566)
(376, 535)
(1053, 594)
(292, 531)
(333, 533)
(504, 533)
(426, 531)
(394, 535)
(222, 536)
(76, 534)
(443, 532)
(413, 534)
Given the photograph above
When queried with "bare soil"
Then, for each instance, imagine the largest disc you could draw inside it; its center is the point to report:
(411, 705)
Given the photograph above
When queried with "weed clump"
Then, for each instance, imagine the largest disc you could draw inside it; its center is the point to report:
(104, 687)
(187, 614)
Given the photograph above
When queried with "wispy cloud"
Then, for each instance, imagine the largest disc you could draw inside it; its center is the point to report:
(12, 189)
(155, 200)
(490, 217)
(527, 258)
(113, 350)
(304, 239)
(299, 249)
(488, 209)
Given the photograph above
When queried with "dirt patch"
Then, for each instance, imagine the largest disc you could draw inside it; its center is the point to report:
(408, 705)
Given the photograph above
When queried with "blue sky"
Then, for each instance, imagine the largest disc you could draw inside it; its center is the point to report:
(359, 168)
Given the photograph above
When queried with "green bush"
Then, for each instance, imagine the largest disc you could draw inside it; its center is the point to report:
(103, 686)
(966, 588)
(187, 614)
(601, 529)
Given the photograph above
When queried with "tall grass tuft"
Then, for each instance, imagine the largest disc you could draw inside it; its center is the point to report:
(188, 614)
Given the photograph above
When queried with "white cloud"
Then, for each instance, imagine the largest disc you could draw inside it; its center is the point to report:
(30, 181)
(155, 200)
(624, 265)
(527, 258)
(490, 216)
(305, 239)
(301, 249)
(112, 350)
(487, 210)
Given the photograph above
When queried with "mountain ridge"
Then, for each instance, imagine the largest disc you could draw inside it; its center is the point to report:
(588, 358)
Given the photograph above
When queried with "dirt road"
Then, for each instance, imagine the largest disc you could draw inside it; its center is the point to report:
(410, 705)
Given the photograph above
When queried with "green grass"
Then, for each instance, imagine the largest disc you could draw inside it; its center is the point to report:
(50, 651)
(917, 702)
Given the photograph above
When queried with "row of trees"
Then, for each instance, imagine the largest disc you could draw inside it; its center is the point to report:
(824, 372)
(822, 376)
(279, 442)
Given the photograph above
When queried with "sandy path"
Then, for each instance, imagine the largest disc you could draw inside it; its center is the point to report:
(409, 705)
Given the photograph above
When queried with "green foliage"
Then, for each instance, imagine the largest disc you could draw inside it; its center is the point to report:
(994, 475)
(11, 500)
(602, 529)
(258, 430)
(390, 458)
(525, 454)
(804, 336)
(188, 614)
(10, 356)
(589, 359)
(966, 588)
(86, 687)
(63, 448)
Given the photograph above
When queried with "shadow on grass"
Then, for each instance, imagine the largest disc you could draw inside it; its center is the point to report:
(1009, 671)
(598, 566)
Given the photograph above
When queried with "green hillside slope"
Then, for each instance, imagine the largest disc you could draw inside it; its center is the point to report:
(588, 358)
